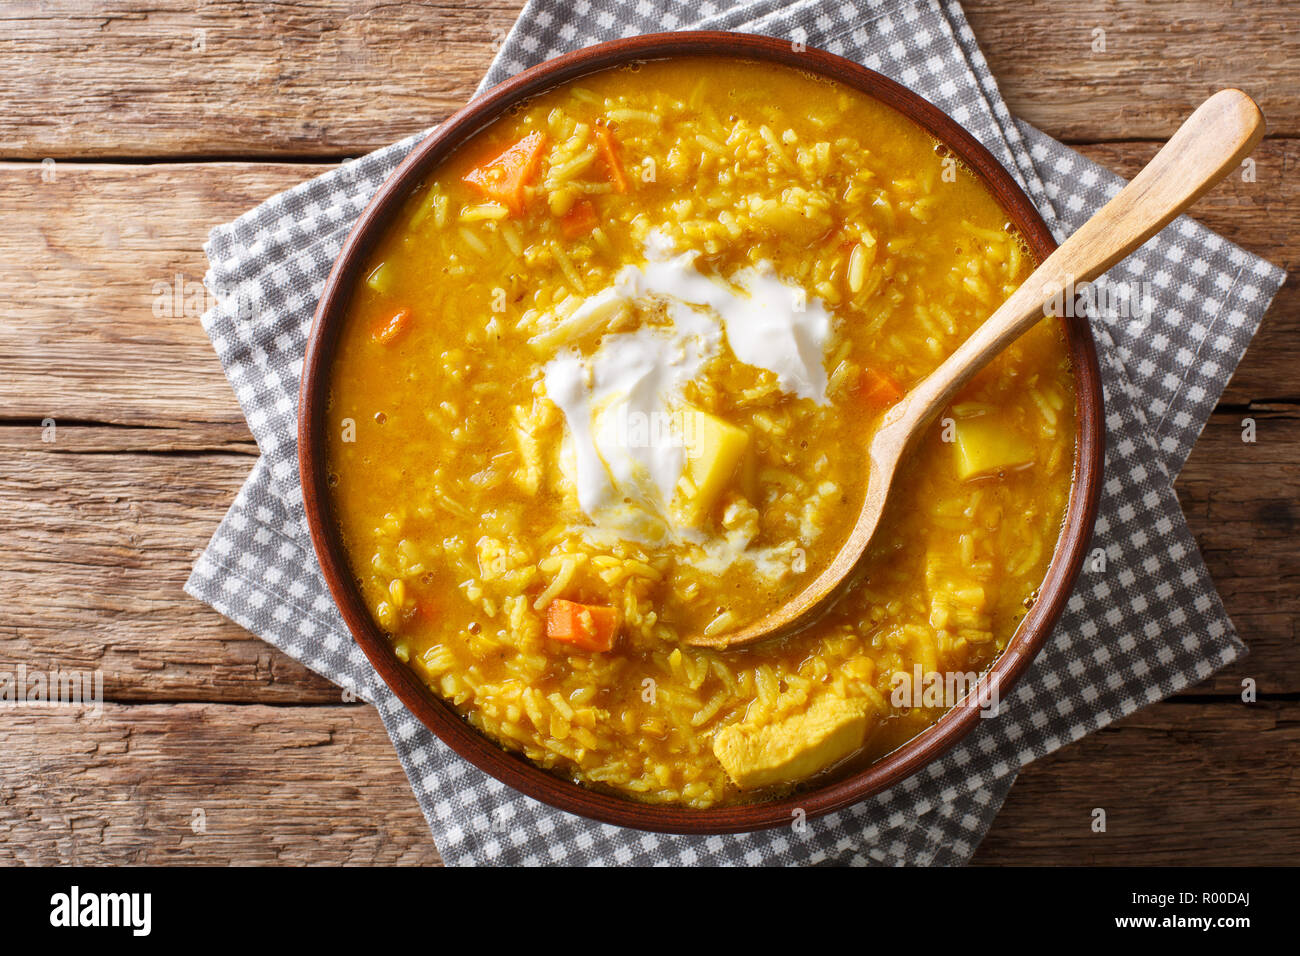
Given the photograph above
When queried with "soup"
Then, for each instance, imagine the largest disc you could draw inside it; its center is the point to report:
(608, 385)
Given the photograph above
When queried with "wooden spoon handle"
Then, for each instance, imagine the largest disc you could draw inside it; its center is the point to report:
(1209, 145)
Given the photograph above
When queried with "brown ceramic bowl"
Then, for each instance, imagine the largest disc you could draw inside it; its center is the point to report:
(818, 797)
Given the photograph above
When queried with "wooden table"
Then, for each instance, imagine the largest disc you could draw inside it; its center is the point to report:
(128, 128)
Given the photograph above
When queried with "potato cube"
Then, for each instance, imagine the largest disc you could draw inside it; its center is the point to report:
(713, 450)
(986, 445)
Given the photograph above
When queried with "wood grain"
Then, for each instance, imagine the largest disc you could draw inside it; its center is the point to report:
(1180, 782)
(162, 78)
(95, 546)
(1161, 58)
(94, 330)
(205, 783)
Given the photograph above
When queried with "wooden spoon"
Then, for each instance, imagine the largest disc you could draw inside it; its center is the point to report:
(1209, 145)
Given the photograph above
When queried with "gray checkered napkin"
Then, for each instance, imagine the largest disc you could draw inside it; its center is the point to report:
(1142, 628)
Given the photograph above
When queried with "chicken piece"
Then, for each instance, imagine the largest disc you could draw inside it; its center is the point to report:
(795, 748)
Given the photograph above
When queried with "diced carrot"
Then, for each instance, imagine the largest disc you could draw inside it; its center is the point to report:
(386, 332)
(877, 389)
(504, 177)
(592, 627)
(609, 149)
(426, 609)
(579, 220)
(418, 613)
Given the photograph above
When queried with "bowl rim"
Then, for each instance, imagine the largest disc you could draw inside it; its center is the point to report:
(515, 770)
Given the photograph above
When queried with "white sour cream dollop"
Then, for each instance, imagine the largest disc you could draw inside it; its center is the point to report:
(624, 447)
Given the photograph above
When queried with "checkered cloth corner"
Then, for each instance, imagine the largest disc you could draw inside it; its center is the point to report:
(1143, 621)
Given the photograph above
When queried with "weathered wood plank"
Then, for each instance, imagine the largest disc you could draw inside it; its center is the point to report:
(1161, 58)
(63, 437)
(204, 783)
(94, 550)
(81, 79)
(94, 254)
(89, 337)
(1181, 784)
(160, 78)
